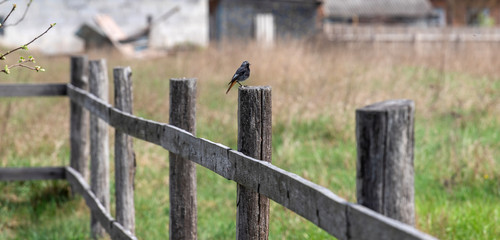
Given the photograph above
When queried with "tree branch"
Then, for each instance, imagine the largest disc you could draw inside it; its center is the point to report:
(35, 68)
(22, 18)
(8, 15)
(25, 46)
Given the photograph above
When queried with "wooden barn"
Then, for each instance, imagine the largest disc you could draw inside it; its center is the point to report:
(263, 20)
(482, 13)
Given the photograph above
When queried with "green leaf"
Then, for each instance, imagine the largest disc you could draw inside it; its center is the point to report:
(6, 69)
(24, 47)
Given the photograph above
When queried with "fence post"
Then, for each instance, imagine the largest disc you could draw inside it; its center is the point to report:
(254, 140)
(183, 209)
(124, 152)
(79, 119)
(99, 140)
(384, 180)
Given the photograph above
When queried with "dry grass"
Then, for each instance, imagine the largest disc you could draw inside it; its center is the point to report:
(316, 89)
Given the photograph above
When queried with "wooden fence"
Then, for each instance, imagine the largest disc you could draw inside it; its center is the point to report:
(384, 132)
(350, 33)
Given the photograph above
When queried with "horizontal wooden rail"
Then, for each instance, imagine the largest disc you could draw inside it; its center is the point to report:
(33, 90)
(32, 173)
(112, 227)
(317, 204)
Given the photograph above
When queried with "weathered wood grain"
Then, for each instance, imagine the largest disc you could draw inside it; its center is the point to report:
(367, 224)
(254, 139)
(183, 204)
(32, 173)
(260, 176)
(315, 203)
(215, 157)
(137, 127)
(384, 180)
(79, 119)
(90, 102)
(114, 228)
(33, 90)
(124, 153)
(99, 141)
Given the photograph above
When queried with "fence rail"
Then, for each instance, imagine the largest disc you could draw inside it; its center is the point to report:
(32, 173)
(112, 227)
(33, 90)
(317, 204)
(349, 33)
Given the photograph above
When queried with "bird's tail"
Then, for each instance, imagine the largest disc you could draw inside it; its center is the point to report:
(230, 86)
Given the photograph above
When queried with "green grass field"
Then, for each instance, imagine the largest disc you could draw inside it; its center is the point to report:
(316, 89)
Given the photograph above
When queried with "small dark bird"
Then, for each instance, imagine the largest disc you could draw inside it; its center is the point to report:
(241, 74)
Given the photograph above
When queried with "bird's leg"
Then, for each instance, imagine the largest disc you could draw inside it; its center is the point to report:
(239, 83)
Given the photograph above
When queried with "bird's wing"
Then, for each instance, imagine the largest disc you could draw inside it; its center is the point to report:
(235, 76)
(239, 72)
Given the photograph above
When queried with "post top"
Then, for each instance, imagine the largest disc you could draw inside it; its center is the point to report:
(254, 88)
(182, 79)
(122, 68)
(388, 105)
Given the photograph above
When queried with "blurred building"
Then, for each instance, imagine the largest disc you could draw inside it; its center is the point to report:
(484, 13)
(189, 25)
(263, 20)
(387, 12)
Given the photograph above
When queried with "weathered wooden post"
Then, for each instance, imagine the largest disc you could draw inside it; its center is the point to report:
(384, 181)
(79, 119)
(124, 152)
(183, 209)
(99, 141)
(254, 139)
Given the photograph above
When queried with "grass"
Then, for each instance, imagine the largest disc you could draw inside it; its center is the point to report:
(316, 89)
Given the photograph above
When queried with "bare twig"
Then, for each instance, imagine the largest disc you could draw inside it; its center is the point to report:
(22, 18)
(7, 68)
(8, 15)
(25, 46)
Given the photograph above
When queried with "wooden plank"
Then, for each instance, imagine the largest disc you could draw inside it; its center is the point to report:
(33, 90)
(90, 102)
(385, 176)
(99, 142)
(33, 173)
(315, 203)
(114, 229)
(137, 127)
(79, 119)
(182, 183)
(254, 139)
(124, 152)
(214, 156)
(181, 142)
(367, 224)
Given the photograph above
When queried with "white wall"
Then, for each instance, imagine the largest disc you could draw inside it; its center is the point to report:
(190, 24)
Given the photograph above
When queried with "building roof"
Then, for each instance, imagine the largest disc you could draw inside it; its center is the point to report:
(377, 8)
